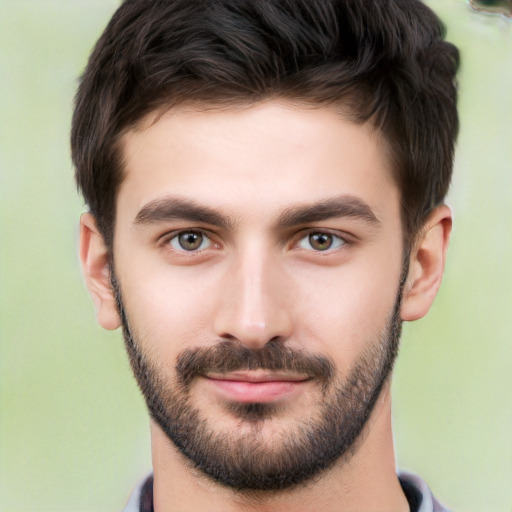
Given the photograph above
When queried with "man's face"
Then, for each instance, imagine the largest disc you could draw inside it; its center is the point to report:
(258, 255)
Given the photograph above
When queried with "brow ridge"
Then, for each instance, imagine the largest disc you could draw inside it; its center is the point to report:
(176, 208)
(342, 206)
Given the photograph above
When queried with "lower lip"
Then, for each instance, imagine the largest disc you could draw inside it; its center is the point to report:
(261, 392)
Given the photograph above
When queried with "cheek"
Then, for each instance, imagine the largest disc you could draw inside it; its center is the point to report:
(167, 307)
(347, 311)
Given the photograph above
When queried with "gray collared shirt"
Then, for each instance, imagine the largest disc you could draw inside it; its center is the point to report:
(416, 490)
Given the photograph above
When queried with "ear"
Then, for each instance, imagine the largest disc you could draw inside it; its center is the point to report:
(426, 264)
(96, 269)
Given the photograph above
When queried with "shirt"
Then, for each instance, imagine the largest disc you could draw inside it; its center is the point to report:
(415, 489)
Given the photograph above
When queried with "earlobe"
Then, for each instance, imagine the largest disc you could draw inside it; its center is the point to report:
(426, 265)
(96, 270)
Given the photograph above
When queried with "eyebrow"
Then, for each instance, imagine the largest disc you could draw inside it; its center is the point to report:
(342, 206)
(175, 208)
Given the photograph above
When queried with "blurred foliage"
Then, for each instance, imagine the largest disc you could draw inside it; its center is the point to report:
(503, 7)
(74, 432)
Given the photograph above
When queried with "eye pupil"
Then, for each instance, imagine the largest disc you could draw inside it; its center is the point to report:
(190, 240)
(320, 241)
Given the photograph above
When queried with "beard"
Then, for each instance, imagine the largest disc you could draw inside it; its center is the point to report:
(241, 459)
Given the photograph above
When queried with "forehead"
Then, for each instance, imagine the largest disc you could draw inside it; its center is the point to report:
(253, 160)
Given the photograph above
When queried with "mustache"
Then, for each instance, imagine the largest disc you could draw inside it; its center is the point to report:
(229, 356)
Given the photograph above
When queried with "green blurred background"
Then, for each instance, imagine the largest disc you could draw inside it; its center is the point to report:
(74, 432)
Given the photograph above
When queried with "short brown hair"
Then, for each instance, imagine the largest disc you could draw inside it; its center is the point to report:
(382, 60)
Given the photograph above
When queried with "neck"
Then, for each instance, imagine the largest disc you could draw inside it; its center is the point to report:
(366, 481)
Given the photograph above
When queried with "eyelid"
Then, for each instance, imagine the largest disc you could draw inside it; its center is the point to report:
(344, 238)
(165, 240)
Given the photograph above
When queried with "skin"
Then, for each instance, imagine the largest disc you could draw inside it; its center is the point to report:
(257, 278)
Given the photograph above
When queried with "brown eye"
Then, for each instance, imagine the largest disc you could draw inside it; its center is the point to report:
(190, 241)
(319, 241)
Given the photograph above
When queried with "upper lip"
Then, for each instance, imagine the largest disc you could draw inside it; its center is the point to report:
(258, 376)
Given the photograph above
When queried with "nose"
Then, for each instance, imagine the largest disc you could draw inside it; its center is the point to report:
(255, 304)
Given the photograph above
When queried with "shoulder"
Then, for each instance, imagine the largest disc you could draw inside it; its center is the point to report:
(141, 499)
(418, 494)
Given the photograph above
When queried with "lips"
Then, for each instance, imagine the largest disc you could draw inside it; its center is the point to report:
(258, 376)
(256, 386)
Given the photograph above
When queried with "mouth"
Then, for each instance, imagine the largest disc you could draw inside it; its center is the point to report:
(256, 386)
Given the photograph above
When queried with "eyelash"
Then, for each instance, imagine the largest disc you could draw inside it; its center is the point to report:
(173, 240)
(336, 240)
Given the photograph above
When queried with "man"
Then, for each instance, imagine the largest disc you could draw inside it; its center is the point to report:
(265, 181)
